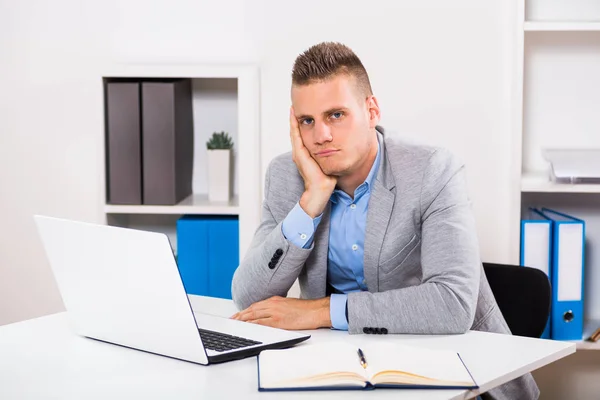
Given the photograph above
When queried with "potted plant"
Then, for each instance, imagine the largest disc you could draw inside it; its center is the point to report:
(219, 166)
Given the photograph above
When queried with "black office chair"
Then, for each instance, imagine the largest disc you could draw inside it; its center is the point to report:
(523, 295)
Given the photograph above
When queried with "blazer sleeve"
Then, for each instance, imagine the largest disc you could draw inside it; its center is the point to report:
(272, 263)
(446, 299)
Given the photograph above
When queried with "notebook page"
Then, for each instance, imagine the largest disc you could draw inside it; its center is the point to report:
(327, 364)
(417, 365)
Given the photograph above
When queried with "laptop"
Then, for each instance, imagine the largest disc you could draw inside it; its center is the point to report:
(123, 286)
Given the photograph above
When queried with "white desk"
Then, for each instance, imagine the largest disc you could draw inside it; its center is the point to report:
(42, 358)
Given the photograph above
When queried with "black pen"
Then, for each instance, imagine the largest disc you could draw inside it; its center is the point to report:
(363, 360)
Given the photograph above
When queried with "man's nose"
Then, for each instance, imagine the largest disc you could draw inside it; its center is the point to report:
(322, 133)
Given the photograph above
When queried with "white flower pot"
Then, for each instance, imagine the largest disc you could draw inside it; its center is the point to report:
(219, 175)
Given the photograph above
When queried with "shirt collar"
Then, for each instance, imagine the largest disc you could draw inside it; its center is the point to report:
(364, 187)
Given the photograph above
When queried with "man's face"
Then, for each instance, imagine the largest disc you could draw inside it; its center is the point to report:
(335, 123)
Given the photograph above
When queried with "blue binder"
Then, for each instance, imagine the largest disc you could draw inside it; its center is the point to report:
(568, 261)
(223, 255)
(208, 254)
(536, 249)
(192, 254)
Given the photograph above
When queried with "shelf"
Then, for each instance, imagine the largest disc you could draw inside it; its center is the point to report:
(194, 204)
(541, 183)
(588, 328)
(534, 26)
(180, 70)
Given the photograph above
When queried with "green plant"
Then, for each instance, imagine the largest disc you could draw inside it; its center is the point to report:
(219, 140)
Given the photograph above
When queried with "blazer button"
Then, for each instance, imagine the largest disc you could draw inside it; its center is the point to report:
(279, 252)
(384, 331)
(366, 330)
(378, 331)
(272, 264)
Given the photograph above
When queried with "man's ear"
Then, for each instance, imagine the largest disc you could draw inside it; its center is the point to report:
(373, 110)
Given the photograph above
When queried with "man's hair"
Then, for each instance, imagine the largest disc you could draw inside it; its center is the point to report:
(326, 60)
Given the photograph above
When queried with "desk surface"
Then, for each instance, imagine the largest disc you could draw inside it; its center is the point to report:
(42, 358)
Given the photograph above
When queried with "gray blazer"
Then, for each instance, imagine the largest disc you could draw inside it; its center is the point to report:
(421, 255)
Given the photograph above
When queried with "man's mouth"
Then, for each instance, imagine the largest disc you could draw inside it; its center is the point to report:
(324, 153)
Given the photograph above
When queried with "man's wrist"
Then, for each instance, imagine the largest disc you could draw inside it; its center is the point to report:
(313, 204)
(323, 319)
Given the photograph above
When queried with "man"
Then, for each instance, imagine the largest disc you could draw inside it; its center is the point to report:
(378, 232)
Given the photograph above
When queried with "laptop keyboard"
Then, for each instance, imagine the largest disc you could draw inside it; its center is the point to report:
(218, 341)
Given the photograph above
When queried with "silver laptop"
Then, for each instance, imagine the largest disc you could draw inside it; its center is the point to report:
(123, 286)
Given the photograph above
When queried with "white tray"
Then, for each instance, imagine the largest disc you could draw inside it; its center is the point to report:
(573, 165)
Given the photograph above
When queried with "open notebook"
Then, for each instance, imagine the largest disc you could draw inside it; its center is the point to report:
(330, 366)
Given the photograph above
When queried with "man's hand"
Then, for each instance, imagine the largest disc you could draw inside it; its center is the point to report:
(288, 313)
(317, 186)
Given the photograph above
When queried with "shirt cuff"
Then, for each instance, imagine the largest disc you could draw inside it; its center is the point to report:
(337, 311)
(299, 228)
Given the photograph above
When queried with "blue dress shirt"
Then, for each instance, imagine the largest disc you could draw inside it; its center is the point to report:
(348, 220)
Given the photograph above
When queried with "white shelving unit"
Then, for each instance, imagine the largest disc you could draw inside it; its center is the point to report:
(532, 26)
(225, 97)
(557, 104)
(541, 183)
(196, 204)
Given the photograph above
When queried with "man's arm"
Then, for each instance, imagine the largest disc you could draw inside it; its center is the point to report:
(263, 295)
(445, 301)
(272, 263)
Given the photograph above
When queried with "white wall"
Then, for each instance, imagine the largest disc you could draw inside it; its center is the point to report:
(48, 136)
(441, 71)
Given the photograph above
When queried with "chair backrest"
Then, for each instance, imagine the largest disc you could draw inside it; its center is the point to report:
(523, 295)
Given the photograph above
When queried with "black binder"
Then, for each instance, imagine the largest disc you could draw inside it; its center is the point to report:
(167, 141)
(123, 148)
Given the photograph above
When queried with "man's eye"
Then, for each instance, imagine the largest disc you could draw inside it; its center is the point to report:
(307, 121)
(337, 115)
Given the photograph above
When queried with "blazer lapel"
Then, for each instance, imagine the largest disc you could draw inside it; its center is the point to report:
(381, 204)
